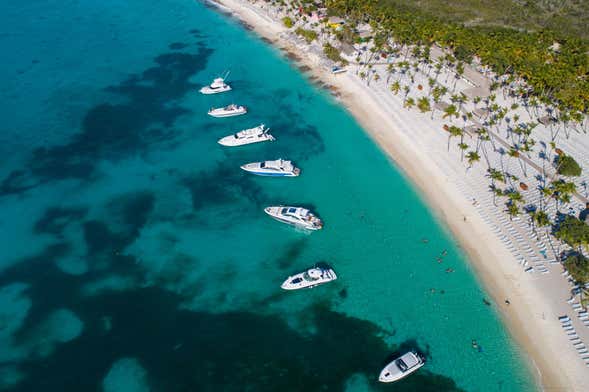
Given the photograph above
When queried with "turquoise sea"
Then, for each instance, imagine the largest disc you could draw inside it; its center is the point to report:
(136, 255)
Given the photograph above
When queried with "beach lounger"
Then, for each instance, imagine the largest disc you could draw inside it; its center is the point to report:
(565, 317)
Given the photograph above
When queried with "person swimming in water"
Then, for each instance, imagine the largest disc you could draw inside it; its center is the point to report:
(476, 346)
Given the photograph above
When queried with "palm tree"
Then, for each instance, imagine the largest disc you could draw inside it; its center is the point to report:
(450, 111)
(472, 157)
(362, 75)
(495, 175)
(409, 103)
(396, 87)
(459, 73)
(390, 71)
(463, 147)
(512, 210)
(453, 131)
(423, 104)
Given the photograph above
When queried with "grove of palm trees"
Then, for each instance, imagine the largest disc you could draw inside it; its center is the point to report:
(511, 99)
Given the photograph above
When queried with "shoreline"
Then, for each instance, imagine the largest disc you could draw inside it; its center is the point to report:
(530, 319)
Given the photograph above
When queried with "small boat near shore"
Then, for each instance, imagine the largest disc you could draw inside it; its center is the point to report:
(309, 278)
(217, 86)
(402, 367)
(247, 136)
(277, 168)
(228, 111)
(337, 70)
(295, 216)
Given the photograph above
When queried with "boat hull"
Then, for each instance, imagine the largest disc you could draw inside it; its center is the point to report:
(269, 174)
(289, 285)
(209, 91)
(230, 141)
(293, 223)
(221, 115)
(392, 372)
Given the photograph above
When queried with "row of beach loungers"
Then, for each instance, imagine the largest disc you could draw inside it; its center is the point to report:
(567, 326)
(581, 312)
(534, 248)
(530, 252)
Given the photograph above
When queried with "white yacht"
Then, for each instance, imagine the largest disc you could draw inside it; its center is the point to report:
(228, 111)
(277, 168)
(217, 86)
(309, 278)
(337, 70)
(401, 367)
(296, 216)
(247, 136)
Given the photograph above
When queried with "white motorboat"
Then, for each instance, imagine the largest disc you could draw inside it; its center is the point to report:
(401, 367)
(296, 216)
(277, 168)
(337, 70)
(309, 278)
(247, 136)
(228, 111)
(217, 86)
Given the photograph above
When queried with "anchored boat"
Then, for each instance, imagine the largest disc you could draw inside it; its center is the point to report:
(309, 278)
(296, 216)
(228, 111)
(277, 168)
(217, 86)
(247, 136)
(401, 367)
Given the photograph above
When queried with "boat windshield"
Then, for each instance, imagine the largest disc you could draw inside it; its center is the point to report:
(401, 365)
(296, 280)
(308, 277)
(284, 211)
(292, 210)
(263, 164)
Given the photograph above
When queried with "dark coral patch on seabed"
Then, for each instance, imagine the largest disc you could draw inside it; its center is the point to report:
(113, 131)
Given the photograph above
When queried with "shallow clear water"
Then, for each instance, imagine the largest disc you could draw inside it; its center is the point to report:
(136, 254)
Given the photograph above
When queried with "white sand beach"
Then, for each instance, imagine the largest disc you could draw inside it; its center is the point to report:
(459, 195)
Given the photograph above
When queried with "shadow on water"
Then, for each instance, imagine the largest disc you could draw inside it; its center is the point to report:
(183, 350)
(112, 131)
(235, 351)
(223, 185)
(56, 219)
(289, 255)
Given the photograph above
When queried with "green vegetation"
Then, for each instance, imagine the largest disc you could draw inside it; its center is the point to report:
(287, 22)
(560, 76)
(574, 232)
(567, 166)
(578, 267)
(308, 35)
(566, 17)
(333, 54)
